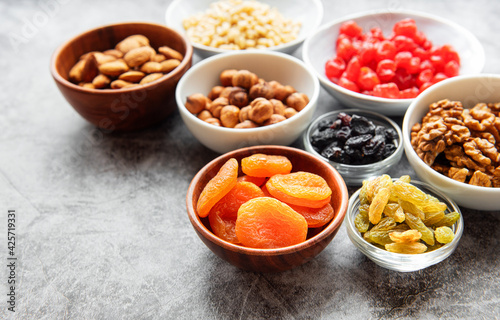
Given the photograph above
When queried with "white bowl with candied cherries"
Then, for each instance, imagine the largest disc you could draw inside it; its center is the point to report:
(380, 60)
(217, 26)
(452, 141)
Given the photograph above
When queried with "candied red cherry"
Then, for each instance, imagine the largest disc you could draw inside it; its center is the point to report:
(406, 27)
(367, 53)
(351, 29)
(437, 61)
(352, 69)
(334, 68)
(345, 49)
(386, 90)
(377, 34)
(451, 68)
(439, 77)
(367, 79)
(447, 53)
(421, 53)
(421, 39)
(403, 79)
(425, 86)
(409, 93)
(348, 84)
(403, 43)
(385, 50)
(426, 64)
(424, 76)
(386, 69)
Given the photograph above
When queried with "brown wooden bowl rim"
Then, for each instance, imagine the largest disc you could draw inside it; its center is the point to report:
(55, 56)
(329, 229)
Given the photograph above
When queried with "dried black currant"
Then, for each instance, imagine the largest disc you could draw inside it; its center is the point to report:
(343, 134)
(361, 125)
(321, 139)
(345, 118)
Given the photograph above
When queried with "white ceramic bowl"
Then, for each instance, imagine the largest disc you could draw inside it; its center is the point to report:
(469, 90)
(355, 174)
(320, 47)
(397, 261)
(267, 65)
(309, 13)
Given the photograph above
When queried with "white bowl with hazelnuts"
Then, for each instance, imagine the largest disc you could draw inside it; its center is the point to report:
(247, 98)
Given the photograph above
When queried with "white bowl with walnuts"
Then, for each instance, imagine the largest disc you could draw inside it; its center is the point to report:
(451, 136)
(245, 98)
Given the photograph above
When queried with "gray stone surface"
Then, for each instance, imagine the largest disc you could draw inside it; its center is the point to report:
(102, 230)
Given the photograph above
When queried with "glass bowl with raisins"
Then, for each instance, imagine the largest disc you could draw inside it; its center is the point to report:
(402, 224)
(360, 144)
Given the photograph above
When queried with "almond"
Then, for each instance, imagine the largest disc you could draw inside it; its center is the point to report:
(151, 77)
(100, 81)
(169, 65)
(90, 68)
(75, 74)
(114, 68)
(118, 84)
(170, 53)
(132, 42)
(151, 67)
(132, 76)
(138, 56)
(158, 57)
(86, 85)
(115, 53)
(103, 58)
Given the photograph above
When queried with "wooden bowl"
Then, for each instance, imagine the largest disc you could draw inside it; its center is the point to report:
(128, 108)
(270, 260)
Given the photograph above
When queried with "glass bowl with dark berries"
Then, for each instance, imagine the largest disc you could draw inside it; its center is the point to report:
(360, 144)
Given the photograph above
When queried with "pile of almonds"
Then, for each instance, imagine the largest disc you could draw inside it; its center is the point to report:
(243, 100)
(132, 62)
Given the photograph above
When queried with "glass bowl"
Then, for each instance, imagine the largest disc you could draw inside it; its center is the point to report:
(355, 174)
(398, 261)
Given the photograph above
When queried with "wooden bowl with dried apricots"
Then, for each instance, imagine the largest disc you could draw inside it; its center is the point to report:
(267, 208)
(122, 76)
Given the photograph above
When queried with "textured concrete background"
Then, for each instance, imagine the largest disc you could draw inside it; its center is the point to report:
(102, 231)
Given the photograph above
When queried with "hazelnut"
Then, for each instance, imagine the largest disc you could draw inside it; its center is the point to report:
(278, 107)
(238, 97)
(205, 114)
(297, 100)
(244, 79)
(214, 121)
(226, 91)
(261, 89)
(196, 103)
(289, 112)
(215, 92)
(216, 106)
(275, 118)
(247, 124)
(226, 77)
(261, 110)
(282, 92)
(244, 113)
(229, 116)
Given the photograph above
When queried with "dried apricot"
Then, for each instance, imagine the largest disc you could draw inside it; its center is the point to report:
(263, 165)
(223, 214)
(217, 187)
(269, 223)
(259, 181)
(315, 217)
(300, 188)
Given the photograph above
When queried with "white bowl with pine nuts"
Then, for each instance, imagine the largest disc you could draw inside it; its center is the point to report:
(215, 26)
(268, 66)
